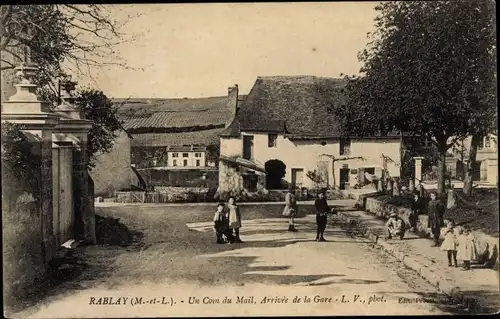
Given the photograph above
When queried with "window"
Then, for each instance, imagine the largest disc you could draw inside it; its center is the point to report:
(487, 142)
(425, 141)
(185, 163)
(248, 147)
(174, 163)
(175, 154)
(198, 163)
(345, 147)
(271, 140)
(185, 154)
(197, 154)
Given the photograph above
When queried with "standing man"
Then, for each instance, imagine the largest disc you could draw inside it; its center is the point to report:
(435, 219)
(322, 210)
(290, 209)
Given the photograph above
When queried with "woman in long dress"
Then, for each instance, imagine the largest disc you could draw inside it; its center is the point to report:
(234, 219)
(466, 247)
(290, 209)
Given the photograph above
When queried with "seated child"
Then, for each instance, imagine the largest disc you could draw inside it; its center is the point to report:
(220, 224)
(395, 226)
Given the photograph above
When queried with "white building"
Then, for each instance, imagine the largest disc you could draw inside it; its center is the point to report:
(286, 118)
(486, 166)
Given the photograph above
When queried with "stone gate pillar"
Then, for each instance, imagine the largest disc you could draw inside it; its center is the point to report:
(73, 127)
(418, 169)
(24, 108)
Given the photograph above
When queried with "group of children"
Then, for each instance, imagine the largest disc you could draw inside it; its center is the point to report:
(459, 244)
(227, 223)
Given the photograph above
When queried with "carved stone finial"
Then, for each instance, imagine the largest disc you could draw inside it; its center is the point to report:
(25, 88)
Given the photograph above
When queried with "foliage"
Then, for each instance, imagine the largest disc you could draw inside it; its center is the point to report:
(428, 70)
(106, 126)
(275, 171)
(20, 155)
(316, 177)
(21, 232)
(213, 152)
(78, 36)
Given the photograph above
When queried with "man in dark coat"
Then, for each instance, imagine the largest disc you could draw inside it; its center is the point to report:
(322, 210)
(416, 209)
(435, 221)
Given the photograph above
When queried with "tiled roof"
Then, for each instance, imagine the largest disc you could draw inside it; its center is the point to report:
(296, 105)
(174, 113)
(204, 137)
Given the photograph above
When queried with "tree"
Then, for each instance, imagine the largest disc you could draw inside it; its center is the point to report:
(106, 126)
(316, 177)
(428, 71)
(57, 37)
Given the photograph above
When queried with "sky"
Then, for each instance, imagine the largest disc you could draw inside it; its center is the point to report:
(199, 50)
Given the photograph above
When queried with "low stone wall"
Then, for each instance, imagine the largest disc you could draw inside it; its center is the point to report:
(165, 194)
(487, 246)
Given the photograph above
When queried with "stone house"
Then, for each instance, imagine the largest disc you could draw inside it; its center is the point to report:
(286, 118)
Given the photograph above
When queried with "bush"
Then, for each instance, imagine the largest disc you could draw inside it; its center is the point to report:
(22, 239)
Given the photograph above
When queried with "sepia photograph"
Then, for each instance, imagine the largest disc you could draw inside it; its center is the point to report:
(249, 159)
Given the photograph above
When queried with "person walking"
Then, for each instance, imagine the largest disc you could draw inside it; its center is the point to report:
(290, 209)
(234, 219)
(322, 210)
(416, 210)
(435, 219)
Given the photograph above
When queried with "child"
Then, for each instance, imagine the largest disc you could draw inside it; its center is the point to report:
(416, 209)
(466, 247)
(234, 220)
(395, 226)
(220, 223)
(450, 242)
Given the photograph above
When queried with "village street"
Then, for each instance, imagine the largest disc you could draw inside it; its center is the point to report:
(176, 258)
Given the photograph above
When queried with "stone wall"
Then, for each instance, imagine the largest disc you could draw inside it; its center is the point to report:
(112, 171)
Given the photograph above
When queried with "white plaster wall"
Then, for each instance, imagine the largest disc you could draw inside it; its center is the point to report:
(306, 154)
(191, 159)
(231, 146)
(112, 171)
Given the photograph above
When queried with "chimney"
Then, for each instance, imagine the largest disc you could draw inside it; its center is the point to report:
(232, 101)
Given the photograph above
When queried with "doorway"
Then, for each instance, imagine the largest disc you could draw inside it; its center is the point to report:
(344, 178)
(297, 177)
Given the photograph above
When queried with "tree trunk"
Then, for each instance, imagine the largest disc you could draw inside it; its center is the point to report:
(333, 173)
(471, 160)
(441, 172)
